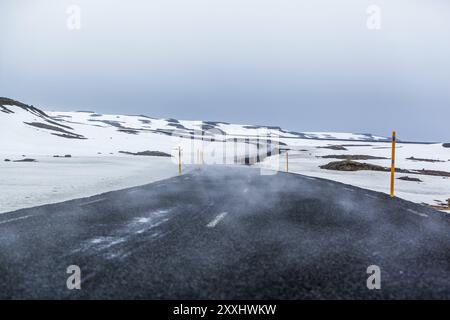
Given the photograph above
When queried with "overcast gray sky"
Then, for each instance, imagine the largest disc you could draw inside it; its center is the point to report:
(304, 65)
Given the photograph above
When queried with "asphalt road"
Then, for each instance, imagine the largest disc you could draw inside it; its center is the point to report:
(227, 233)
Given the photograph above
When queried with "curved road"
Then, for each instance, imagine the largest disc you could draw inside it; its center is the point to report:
(227, 233)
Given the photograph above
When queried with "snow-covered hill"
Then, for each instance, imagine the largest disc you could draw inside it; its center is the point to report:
(29, 130)
(109, 152)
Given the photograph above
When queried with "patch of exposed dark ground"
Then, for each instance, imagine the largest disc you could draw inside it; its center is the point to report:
(346, 165)
(406, 178)
(263, 127)
(129, 131)
(5, 109)
(30, 108)
(212, 129)
(177, 125)
(446, 145)
(26, 160)
(423, 160)
(64, 156)
(63, 132)
(58, 124)
(113, 123)
(68, 136)
(334, 147)
(120, 127)
(430, 172)
(147, 153)
(441, 205)
(353, 157)
(215, 123)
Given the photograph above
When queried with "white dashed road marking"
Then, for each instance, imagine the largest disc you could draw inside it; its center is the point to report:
(417, 213)
(91, 202)
(15, 219)
(216, 220)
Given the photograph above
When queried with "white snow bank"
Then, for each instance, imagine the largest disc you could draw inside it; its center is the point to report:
(52, 180)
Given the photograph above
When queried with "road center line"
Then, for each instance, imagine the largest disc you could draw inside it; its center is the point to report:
(417, 213)
(216, 220)
(15, 219)
(91, 202)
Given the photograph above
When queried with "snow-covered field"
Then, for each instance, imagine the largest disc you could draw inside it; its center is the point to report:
(433, 190)
(53, 180)
(96, 144)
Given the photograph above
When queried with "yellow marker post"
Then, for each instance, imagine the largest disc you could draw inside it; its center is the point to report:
(179, 161)
(393, 164)
(287, 161)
